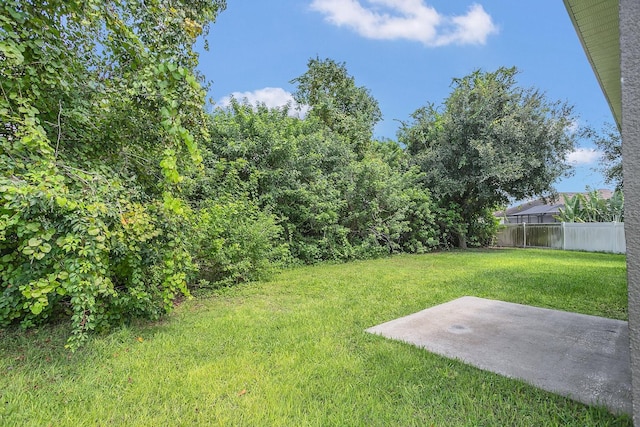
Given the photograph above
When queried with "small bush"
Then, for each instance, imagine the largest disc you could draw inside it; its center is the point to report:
(236, 242)
(100, 259)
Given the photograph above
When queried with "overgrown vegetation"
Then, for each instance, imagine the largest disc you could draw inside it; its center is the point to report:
(120, 193)
(492, 140)
(332, 202)
(101, 108)
(293, 351)
(592, 207)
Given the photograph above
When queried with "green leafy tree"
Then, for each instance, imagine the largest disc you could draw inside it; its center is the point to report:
(332, 203)
(334, 98)
(490, 141)
(294, 166)
(101, 107)
(387, 211)
(609, 142)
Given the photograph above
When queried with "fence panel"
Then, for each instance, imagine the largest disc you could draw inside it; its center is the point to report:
(591, 237)
(511, 236)
(595, 237)
(544, 235)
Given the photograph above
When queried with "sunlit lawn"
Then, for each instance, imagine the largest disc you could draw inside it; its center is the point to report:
(293, 351)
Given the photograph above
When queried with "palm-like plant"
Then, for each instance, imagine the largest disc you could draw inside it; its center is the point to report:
(572, 211)
(616, 206)
(592, 208)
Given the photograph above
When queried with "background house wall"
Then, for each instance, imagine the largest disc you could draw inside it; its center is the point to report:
(630, 73)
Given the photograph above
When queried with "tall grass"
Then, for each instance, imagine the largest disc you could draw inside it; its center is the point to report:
(293, 351)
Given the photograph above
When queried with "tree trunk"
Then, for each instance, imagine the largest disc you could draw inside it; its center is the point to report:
(462, 240)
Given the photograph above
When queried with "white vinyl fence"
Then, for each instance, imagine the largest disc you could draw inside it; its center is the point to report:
(590, 236)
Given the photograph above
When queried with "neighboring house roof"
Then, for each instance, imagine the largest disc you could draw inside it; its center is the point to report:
(515, 210)
(597, 25)
(541, 210)
(548, 206)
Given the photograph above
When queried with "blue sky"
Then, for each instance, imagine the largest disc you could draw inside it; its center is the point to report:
(406, 52)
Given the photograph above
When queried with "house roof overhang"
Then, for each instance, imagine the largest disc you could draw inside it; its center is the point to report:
(541, 210)
(597, 23)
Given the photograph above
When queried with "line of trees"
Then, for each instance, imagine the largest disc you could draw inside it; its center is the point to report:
(120, 194)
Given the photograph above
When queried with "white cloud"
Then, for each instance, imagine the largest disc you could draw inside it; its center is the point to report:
(409, 20)
(272, 97)
(574, 126)
(583, 156)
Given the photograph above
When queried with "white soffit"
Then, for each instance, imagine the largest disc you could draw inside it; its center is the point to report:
(597, 25)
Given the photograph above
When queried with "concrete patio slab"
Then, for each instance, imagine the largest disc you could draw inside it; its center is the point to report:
(585, 358)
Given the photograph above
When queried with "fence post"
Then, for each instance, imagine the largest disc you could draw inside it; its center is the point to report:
(564, 237)
(524, 234)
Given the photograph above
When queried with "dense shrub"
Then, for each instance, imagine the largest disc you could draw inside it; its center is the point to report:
(99, 258)
(99, 111)
(332, 202)
(236, 242)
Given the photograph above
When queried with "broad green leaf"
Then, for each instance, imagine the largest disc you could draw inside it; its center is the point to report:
(37, 307)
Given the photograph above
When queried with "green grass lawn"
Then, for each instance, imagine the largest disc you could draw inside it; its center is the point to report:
(293, 351)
